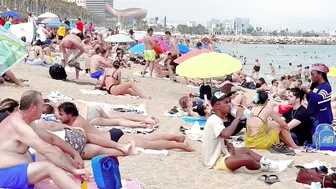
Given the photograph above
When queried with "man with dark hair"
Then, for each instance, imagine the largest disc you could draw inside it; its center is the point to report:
(199, 46)
(217, 152)
(150, 55)
(17, 169)
(174, 55)
(116, 138)
(298, 119)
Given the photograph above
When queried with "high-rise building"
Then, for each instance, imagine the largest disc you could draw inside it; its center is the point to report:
(98, 6)
(81, 3)
(241, 24)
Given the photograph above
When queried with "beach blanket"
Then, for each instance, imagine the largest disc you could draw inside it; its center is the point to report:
(100, 92)
(183, 115)
(128, 130)
(138, 73)
(127, 184)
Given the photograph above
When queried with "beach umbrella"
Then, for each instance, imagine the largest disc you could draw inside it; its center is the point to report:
(190, 55)
(10, 14)
(182, 48)
(57, 24)
(47, 15)
(119, 38)
(49, 20)
(163, 44)
(12, 50)
(209, 65)
(138, 49)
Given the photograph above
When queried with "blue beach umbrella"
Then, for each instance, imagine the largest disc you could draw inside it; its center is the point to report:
(10, 14)
(183, 49)
(138, 49)
(57, 25)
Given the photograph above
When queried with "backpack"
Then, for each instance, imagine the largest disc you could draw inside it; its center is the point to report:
(106, 172)
(57, 72)
(324, 137)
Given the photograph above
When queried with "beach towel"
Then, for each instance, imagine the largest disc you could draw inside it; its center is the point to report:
(101, 92)
(138, 73)
(201, 121)
(127, 129)
(153, 152)
(127, 184)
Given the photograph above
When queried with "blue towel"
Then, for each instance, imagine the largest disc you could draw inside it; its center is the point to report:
(192, 120)
(106, 172)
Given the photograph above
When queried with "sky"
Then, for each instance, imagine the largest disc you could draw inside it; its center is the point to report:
(269, 14)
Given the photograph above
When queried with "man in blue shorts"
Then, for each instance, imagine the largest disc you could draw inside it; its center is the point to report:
(17, 169)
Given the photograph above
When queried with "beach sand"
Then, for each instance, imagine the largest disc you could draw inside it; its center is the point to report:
(178, 169)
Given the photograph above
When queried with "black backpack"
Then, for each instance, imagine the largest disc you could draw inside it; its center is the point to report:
(57, 72)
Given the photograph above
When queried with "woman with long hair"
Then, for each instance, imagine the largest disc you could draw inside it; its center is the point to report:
(114, 85)
(7, 106)
(319, 101)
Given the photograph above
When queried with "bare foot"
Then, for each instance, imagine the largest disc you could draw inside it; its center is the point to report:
(181, 138)
(155, 119)
(132, 150)
(188, 147)
(126, 148)
(150, 120)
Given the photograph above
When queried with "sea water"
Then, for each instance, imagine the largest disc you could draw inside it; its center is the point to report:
(282, 55)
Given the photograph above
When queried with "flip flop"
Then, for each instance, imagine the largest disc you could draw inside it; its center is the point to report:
(263, 178)
(183, 130)
(75, 64)
(271, 179)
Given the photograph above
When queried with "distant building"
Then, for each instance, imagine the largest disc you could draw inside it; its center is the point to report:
(241, 23)
(97, 7)
(191, 23)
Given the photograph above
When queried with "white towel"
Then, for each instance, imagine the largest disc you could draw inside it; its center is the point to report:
(195, 133)
(93, 92)
(154, 152)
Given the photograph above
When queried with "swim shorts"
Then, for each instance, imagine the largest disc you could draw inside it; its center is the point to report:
(116, 134)
(220, 163)
(76, 138)
(172, 63)
(15, 177)
(150, 55)
(256, 68)
(97, 74)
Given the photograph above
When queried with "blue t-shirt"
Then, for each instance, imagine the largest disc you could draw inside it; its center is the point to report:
(319, 104)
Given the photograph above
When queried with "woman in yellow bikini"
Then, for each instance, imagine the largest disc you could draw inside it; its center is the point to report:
(262, 134)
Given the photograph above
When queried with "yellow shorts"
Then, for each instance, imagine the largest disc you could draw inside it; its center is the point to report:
(220, 163)
(150, 55)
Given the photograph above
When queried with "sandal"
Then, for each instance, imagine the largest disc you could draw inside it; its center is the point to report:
(76, 65)
(183, 130)
(271, 179)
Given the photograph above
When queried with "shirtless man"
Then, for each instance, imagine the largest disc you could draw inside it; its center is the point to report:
(17, 169)
(174, 55)
(71, 47)
(256, 68)
(69, 115)
(97, 62)
(150, 54)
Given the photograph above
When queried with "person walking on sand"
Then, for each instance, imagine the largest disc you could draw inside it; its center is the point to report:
(17, 166)
(71, 48)
(174, 51)
(150, 54)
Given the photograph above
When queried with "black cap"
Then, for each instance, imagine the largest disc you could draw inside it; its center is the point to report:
(218, 96)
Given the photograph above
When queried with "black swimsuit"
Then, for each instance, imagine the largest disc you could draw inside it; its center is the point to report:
(109, 89)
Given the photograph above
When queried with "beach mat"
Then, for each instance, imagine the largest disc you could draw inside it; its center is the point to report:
(49, 184)
(192, 120)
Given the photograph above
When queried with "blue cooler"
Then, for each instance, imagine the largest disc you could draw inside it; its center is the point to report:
(106, 172)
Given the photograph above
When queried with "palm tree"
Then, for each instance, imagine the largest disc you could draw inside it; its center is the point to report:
(156, 20)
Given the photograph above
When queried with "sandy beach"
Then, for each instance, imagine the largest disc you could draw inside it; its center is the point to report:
(178, 169)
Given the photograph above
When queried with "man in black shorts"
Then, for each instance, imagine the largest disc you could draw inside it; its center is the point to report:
(116, 138)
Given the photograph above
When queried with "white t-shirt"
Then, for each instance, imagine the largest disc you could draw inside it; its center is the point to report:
(212, 144)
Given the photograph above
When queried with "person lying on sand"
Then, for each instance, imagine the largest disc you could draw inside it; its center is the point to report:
(96, 115)
(17, 169)
(218, 153)
(195, 108)
(69, 116)
(88, 146)
(10, 77)
(114, 86)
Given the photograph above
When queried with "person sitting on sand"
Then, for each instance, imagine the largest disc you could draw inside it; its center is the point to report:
(195, 108)
(237, 98)
(88, 146)
(298, 118)
(260, 133)
(114, 86)
(36, 55)
(97, 115)
(217, 152)
(17, 168)
(98, 63)
(7, 106)
(69, 116)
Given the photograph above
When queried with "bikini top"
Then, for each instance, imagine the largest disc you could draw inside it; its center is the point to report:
(112, 75)
(33, 49)
(259, 114)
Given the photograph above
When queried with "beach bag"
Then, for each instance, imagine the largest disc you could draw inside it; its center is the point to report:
(106, 172)
(307, 176)
(57, 72)
(324, 137)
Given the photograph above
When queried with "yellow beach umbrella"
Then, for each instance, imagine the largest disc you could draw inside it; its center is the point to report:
(332, 72)
(209, 65)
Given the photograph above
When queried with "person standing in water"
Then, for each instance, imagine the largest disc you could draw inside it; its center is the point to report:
(256, 68)
(150, 54)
